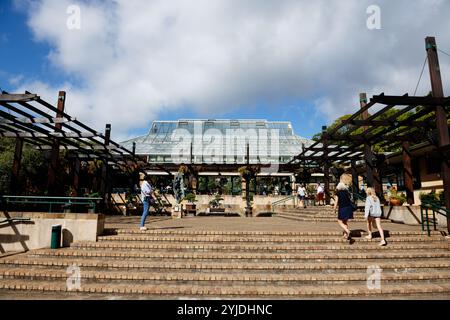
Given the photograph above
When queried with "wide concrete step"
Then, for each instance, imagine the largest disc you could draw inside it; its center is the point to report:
(317, 219)
(112, 231)
(242, 247)
(214, 279)
(260, 240)
(311, 212)
(318, 214)
(265, 291)
(240, 257)
(196, 266)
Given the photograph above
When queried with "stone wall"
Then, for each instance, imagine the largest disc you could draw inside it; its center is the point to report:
(36, 233)
(236, 204)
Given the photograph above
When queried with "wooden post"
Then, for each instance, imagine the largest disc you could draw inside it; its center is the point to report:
(326, 168)
(355, 182)
(105, 183)
(441, 116)
(407, 173)
(16, 166)
(372, 174)
(76, 176)
(54, 158)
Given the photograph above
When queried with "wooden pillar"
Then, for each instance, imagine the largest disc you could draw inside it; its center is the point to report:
(355, 181)
(372, 172)
(76, 176)
(16, 166)
(441, 115)
(105, 183)
(407, 173)
(326, 168)
(54, 158)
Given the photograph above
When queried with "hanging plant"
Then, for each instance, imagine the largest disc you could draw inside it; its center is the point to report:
(183, 169)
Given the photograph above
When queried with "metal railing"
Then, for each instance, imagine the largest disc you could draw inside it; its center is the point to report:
(9, 220)
(282, 201)
(432, 208)
(61, 203)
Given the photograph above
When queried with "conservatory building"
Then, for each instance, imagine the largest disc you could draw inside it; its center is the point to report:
(217, 148)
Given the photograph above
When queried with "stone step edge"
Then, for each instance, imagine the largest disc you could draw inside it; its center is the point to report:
(307, 219)
(6, 274)
(256, 233)
(219, 247)
(243, 256)
(261, 240)
(282, 291)
(222, 266)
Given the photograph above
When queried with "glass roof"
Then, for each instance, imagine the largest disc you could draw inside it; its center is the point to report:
(219, 141)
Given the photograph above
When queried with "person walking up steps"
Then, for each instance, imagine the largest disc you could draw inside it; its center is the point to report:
(301, 193)
(320, 195)
(372, 213)
(343, 205)
(146, 194)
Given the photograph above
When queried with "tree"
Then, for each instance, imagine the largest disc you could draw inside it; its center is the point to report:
(378, 148)
(33, 172)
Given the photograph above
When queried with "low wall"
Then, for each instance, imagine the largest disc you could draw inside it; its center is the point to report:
(36, 233)
(236, 204)
(409, 215)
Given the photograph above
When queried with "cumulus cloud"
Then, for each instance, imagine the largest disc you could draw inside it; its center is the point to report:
(134, 59)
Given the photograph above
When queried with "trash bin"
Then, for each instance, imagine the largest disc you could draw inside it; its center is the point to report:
(56, 237)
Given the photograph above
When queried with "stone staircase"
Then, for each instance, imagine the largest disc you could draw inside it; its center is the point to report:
(180, 263)
(316, 214)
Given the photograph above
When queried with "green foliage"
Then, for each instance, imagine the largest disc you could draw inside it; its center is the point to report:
(377, 148)
(397, 196)
(215, 203)
(33, 173)
(433, 197)
(190, 197)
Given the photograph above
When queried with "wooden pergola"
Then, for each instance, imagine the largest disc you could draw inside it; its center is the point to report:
(351, 142)
(29, 119)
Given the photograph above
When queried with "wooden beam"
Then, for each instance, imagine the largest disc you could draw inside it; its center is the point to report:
(441, 117)
(411, 101)
(407, 172)
(14, 97)
(47, 135)
(35, 120)
(53, 188)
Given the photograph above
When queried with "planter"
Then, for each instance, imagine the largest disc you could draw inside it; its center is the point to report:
(191, 208)
(395, 202)
(217, 210)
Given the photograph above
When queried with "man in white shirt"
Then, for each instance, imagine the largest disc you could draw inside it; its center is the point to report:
(146, 195)
(320, 194)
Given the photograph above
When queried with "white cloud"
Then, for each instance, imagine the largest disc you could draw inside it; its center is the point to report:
(135, 59)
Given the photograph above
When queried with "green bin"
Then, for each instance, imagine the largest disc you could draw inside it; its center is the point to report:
(56, 237)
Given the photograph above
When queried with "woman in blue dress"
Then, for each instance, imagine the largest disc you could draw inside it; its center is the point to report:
(343, 204)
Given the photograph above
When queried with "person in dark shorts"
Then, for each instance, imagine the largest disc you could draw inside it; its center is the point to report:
(344, 208)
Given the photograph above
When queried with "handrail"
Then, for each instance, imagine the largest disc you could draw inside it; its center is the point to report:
(51, 201)
(15, 220)
(435, 207)
(279, 202)
(357, 196)
(46, 197)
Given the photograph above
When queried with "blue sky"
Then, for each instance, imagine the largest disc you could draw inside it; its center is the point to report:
(131, 62)
(27, 58)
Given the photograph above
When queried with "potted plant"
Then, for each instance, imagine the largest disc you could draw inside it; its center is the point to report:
(248, 173)
(191, 207)
(215, 205)
(397, 199)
